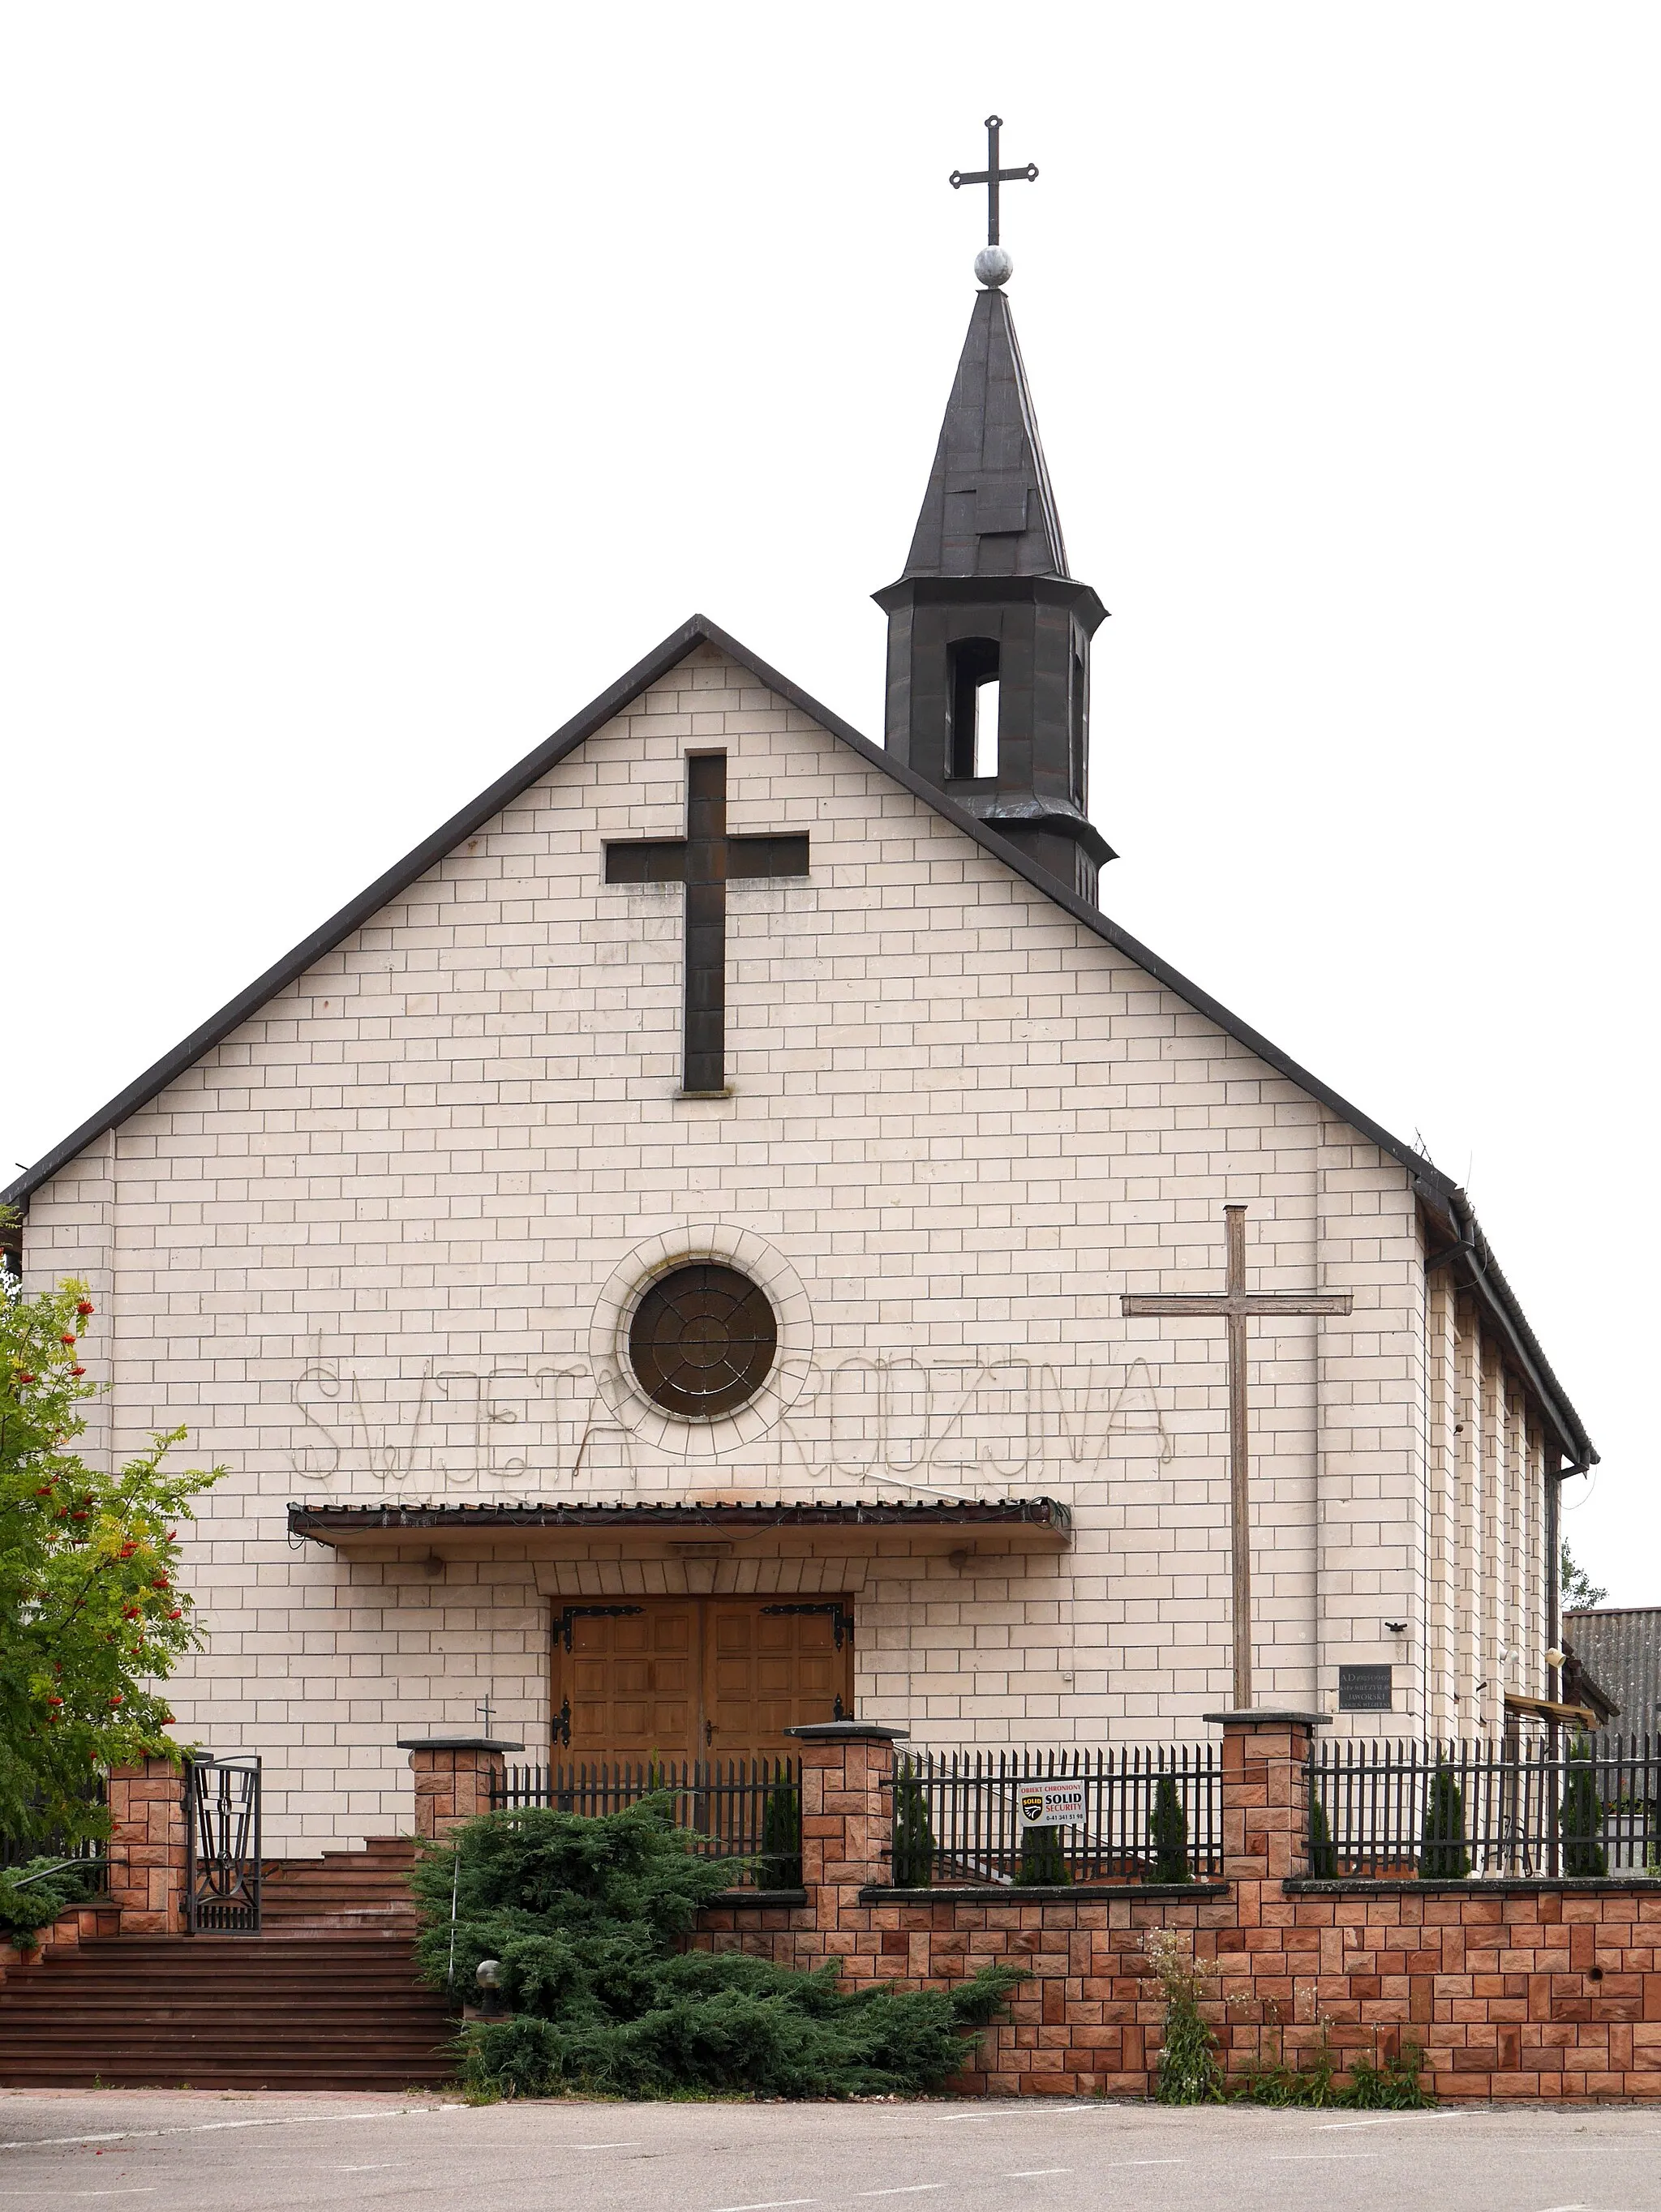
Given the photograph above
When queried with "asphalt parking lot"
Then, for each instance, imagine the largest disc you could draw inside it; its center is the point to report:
(229, 2152)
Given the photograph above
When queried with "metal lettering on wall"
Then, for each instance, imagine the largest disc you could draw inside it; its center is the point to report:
(912, 1423)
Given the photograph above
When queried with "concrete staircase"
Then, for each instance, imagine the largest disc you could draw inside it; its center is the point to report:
(324, 1999)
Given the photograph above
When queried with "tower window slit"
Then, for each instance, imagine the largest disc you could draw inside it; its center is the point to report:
(972, 749)
(986, 727)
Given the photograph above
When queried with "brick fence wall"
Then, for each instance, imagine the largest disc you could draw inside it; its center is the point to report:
(1514, 1989)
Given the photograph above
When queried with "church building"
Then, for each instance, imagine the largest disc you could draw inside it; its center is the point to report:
(728, 1233)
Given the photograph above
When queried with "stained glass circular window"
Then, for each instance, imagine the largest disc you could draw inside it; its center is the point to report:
(703, 1340)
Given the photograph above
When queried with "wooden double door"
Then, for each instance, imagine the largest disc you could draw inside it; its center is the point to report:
(697, 1678)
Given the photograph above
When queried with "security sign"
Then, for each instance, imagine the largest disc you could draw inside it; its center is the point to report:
(1050, 1804)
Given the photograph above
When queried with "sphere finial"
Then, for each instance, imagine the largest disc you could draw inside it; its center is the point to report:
(994, 265)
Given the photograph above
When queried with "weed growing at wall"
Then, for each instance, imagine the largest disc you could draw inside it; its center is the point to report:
(1389, 2084)
(1386, 2081)
(1190, 2072)
(586, 1917)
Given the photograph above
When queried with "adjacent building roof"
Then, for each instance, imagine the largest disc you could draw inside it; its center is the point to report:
(1621, 1647)
(1465, 1250)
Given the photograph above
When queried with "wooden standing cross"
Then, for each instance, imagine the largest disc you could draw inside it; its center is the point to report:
(1236, 1305)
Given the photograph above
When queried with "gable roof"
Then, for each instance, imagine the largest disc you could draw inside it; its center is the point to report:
(1444, 1203)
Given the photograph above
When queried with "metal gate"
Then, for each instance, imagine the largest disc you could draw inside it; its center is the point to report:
(222, 1845)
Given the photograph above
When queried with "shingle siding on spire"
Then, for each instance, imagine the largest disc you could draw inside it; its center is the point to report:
(989, 509)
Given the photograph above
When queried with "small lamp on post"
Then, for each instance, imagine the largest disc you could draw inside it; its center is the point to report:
(488, 1975)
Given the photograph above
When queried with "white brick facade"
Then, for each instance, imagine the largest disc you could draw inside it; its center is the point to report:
(374, 1245)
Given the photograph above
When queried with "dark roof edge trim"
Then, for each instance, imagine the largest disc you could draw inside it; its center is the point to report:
(1437, 1190)
(876, 1512)
(1470, 1251)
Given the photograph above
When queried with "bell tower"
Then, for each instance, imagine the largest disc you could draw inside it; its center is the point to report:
(988, 636)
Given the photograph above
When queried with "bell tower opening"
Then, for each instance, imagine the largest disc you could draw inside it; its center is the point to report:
(972, 739)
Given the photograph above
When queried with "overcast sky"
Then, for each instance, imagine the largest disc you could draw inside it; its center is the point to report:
(382, 380)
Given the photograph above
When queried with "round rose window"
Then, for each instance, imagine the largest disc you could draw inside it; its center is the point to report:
(703, 1340)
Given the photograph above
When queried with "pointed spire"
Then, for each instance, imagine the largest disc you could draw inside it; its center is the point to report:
(988, 636)
(990, 510)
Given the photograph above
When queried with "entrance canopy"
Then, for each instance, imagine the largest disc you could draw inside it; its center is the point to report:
(707, 1528)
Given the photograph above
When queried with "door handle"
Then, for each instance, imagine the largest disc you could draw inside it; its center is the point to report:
(709, 1733)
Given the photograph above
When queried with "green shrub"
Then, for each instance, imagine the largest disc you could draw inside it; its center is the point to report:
(585, 1917)
(25, 1911)
(1167, 1829)
(1580, 1816)
(913, 1860)
(780, 1866)
(1043, 1859)
(1322, 1852)
(1443, 1856)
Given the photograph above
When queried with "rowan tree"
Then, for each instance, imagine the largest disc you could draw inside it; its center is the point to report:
(91, 1614)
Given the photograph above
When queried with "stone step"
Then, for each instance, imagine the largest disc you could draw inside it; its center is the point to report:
(314, 2011)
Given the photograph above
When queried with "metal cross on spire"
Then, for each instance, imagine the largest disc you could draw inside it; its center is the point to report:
(1235, 1304)
(992, 176)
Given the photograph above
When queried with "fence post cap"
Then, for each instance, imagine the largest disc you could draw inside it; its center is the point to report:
(848, 1732)
(454, 1743)
(1270, 1715)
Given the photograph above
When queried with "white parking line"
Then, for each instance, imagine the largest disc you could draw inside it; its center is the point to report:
(1036, 2173)
(629, 2145)
(909, 2189)
(770, 2204)
(1387, 2120)
(215, 2127)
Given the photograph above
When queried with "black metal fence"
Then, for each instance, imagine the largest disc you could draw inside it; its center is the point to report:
(1451, 1809)
(958, 1815)
(732, 1809)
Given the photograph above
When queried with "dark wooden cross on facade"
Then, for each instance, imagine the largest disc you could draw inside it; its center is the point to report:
(706, 859)
(1236, 1304)
(992, 176)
